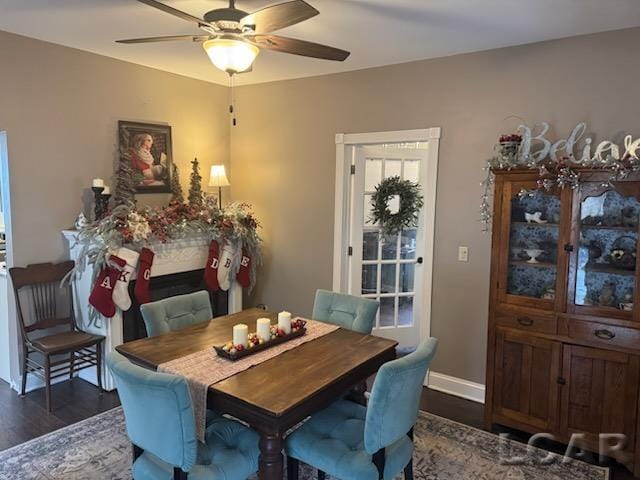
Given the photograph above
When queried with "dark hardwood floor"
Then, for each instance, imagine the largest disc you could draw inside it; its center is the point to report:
(25, 418)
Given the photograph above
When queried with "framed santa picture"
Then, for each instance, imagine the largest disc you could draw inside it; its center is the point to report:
(146, 148)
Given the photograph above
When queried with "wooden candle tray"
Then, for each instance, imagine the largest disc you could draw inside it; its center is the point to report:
(260, 347)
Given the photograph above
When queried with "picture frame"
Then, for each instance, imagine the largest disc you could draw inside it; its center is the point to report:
(147, 148)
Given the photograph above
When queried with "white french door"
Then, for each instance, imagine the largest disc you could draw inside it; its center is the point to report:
(393, 269)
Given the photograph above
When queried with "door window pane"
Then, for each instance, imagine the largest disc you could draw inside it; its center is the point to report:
(369, 279)
(367, 210)
(408, 244)
(411, 170)
(372, 173)
(405, 311)
(387, 311)
(607, 251)
(370, 245)
(389, 247)
(392, 168)
(407, 271)
(388, 278)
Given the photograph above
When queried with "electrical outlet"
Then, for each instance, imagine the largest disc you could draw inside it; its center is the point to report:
(463, 254)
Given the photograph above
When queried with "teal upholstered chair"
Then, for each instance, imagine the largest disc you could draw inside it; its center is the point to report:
(346, 311)
(352, 442)
(160, 423)
(176, 313)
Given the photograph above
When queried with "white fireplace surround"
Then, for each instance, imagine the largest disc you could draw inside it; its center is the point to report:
(177, 256)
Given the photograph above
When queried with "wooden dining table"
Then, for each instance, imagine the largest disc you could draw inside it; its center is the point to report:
(275, 395)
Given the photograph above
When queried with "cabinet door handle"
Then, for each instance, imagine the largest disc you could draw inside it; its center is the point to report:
(525, 321)
(605, 334)
(561, 381)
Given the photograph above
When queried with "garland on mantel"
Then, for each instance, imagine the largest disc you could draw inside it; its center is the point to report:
(234, 223)
(555, 163)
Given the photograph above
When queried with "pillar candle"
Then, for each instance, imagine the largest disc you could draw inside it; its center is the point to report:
(284, 321)
(263, 329)
(97, 182)
(241, 335)
(106, 191)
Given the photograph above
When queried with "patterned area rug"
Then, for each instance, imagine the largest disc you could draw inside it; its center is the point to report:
(98, 449)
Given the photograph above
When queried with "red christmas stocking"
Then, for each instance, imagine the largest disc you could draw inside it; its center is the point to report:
(243, 275)
(211, 269)
(144, 274)
(102, 294)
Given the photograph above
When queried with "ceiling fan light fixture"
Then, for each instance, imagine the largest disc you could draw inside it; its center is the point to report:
(231, 55)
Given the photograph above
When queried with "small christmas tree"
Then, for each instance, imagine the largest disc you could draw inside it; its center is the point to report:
(125, 191)
(176, 188)
(195, 185)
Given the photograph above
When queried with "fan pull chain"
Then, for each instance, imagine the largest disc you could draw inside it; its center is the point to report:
(232, 109)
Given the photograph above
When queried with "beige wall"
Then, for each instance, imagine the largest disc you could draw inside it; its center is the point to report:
(283, 158)
(60, 108)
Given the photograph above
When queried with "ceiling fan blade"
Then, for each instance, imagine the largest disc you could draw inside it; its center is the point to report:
(175, 12)
(276, 17)
(171, 38)
(298, 47)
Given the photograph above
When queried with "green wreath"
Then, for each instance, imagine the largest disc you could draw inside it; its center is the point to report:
(411, 202)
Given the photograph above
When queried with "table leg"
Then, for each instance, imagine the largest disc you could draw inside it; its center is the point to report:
(270, 463)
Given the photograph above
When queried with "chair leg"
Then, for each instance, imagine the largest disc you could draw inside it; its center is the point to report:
(408, 470)
(178, 474)
(23, 387)
(292, 468)
(99, 366)
(72, 360)
(47, 380)
(320, 475)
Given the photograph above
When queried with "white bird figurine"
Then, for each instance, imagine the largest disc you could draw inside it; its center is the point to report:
(534, 217)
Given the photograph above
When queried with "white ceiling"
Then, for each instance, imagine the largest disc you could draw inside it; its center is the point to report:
(377, 32)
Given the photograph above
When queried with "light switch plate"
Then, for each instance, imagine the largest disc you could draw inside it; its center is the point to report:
(463, 254)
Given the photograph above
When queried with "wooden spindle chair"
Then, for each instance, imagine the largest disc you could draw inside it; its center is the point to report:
(63, 351)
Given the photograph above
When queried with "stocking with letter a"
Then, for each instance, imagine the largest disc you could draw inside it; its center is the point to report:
(101, 297)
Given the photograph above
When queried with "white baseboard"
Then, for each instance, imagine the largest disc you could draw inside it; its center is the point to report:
(456, 386)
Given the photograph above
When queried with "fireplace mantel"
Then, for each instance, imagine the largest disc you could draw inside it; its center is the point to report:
(180, 255)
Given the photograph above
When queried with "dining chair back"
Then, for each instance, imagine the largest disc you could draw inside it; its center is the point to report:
(176, 313)
(393, 406)
(45, 308)
(158, 414)
(353, 442)
(347, 311)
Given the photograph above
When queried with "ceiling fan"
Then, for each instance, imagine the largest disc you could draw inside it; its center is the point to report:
(233, 38)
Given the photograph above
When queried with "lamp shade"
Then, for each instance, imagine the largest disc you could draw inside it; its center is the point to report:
(231, 55)
(218, 177)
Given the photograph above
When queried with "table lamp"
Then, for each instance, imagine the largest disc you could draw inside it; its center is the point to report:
(218, 178)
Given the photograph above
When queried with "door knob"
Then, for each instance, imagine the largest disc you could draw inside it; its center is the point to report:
(419, 260)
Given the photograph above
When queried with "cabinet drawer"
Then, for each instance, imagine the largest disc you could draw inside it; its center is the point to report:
(524, 321)
(603, 334)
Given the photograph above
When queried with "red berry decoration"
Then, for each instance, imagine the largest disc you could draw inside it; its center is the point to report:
(239, 348)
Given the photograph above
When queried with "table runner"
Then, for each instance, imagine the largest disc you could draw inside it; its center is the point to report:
(204, 368)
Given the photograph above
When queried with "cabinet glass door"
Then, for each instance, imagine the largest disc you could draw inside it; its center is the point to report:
(533, 238)
(606, 250)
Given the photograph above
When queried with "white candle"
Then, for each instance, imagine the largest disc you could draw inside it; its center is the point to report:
(284, 321)
(106, 191)
(241, 335)
(263, 329)
(97, 182)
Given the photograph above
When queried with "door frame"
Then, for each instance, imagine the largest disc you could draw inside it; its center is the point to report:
(345, 156)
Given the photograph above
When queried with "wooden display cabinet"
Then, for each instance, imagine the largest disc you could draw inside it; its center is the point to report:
(563, 351)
